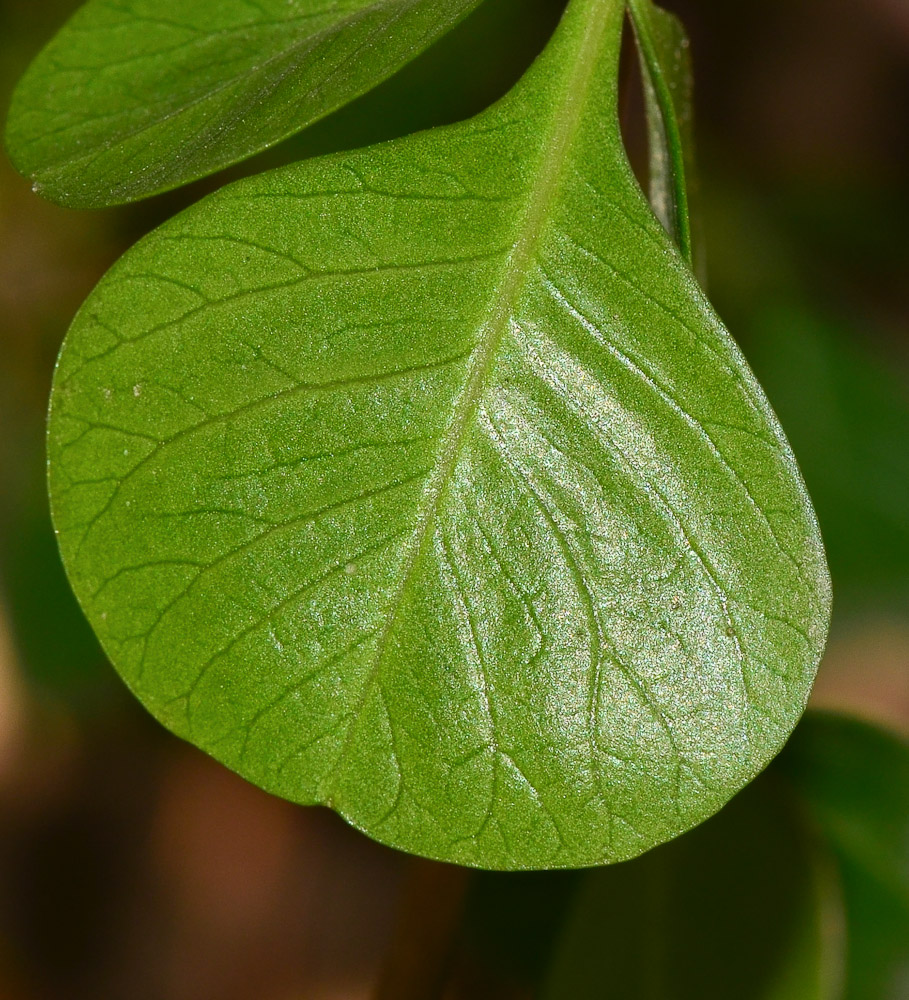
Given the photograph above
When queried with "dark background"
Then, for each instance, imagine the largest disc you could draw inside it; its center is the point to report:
(133, 866)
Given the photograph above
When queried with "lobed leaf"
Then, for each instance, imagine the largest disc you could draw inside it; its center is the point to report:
(423, 482)
(137, 97)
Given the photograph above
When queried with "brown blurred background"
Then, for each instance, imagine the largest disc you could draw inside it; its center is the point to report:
(133, 866)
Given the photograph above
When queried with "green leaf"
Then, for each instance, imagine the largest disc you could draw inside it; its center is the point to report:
(746, 906)
(136, 98)
(422, 481)
(666, 70)
(855, 780)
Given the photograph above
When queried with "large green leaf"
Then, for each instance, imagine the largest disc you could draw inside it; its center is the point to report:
(133, 98)
(422, 481)
(746, 906)
(855, 780)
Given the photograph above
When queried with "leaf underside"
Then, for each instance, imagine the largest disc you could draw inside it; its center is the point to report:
(422, 481)
(131, 99)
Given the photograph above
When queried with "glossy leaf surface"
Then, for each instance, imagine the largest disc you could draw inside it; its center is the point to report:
(423, 482)
(136, 98)
(745, 906)
(855, 780)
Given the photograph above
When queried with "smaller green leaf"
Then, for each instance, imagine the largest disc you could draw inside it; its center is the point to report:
(746, 906)
(855, 779)
(666, 70)
(132, 99)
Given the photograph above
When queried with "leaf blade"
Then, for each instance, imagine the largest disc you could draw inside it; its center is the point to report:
(203, 85)
(416, 501)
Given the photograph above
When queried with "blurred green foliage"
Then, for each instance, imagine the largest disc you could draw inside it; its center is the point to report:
(854, 779)
(740, 907)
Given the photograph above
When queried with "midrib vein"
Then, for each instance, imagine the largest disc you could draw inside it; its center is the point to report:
(565, 118)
